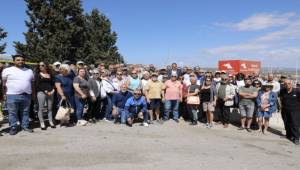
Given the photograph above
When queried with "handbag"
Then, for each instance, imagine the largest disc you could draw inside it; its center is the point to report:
(64, 112)
(193, 100)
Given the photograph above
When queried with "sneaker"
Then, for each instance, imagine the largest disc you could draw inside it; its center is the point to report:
(13, 131)
(241, 128)
(145, 124)
(27, 130)
(249, 130)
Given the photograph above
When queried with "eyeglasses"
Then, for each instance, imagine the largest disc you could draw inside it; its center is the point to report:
(134, 73)
(96, 73)
(137, 94)
(119, 74)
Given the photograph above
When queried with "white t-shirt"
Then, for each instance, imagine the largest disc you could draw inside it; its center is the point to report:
(18, 80)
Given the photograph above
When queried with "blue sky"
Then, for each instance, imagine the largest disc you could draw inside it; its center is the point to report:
(190, 32)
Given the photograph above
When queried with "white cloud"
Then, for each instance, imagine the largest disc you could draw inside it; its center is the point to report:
(292, 31)
(260, 21)
(277, 47)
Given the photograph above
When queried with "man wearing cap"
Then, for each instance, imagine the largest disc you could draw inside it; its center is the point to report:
(225, 94)
(18, 87)
(290, 101)
(56, 66)
(173, 95)
(154, 94)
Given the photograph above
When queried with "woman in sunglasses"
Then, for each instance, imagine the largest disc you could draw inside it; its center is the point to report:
(45, 92)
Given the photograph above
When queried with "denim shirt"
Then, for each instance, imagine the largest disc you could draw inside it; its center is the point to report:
(136, 105)
(272, 100)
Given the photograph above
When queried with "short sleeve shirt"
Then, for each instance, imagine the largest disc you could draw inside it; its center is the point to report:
(250, 89)
(18, 80)
(154, 89)
(66, 84)
(173, 90)
(83, 85)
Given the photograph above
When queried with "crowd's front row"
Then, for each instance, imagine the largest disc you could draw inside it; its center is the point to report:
(129, 99)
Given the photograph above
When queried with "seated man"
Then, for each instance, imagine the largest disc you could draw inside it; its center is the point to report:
(136, 107)
(118, 101)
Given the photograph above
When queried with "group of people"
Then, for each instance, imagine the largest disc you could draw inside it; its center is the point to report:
(127, 94)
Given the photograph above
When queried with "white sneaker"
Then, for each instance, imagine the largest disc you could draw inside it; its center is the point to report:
(145, 124)
(81, 123)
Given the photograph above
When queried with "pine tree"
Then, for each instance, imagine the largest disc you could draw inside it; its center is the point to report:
(101, 41)
(55, 31)
(2, 36)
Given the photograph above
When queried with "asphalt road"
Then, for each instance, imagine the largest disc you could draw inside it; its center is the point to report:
(168, 146)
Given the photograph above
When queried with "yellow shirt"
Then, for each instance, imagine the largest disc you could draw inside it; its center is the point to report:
(154, 89)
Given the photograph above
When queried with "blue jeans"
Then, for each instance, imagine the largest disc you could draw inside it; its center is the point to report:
(122, 114)
(79, 102)
(171, 106)
(18, 104)
(134, 115)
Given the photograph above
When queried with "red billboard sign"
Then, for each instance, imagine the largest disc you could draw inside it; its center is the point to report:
(240, 66)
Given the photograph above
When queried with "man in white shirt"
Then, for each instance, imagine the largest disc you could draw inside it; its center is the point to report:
(17, 87)
(276, 84)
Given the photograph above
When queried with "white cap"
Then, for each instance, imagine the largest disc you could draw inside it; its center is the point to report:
(57, 63)
(80, 62)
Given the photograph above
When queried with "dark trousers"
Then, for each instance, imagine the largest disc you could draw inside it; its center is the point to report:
(224, 111)
(292, 124)
(95, 109)
(284, 119)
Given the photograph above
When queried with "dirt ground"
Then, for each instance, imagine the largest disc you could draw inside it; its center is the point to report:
(168, 146)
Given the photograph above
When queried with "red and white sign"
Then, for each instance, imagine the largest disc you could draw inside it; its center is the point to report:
(240, 66)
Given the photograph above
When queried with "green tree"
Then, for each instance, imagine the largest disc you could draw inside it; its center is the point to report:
(2, 36)
(100, 44)
(55, 31)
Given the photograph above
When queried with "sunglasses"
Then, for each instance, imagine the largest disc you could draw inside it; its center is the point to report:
(134, 73)
(119, 74)
(137, 94)
(96, 73)
(42, 65)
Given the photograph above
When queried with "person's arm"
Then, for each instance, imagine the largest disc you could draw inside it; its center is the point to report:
(4, 88)
(106, 86)
(60, 91)
(127, 105)
(4, 80)
(78, 90)
(180, 93)
(162, 90)
(144, 109)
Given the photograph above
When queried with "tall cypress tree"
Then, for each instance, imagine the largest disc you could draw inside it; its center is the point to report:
(101, 41)
(2, 36)
(55, 30)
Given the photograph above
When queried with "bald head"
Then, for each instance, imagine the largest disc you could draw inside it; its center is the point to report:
(289, 83)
